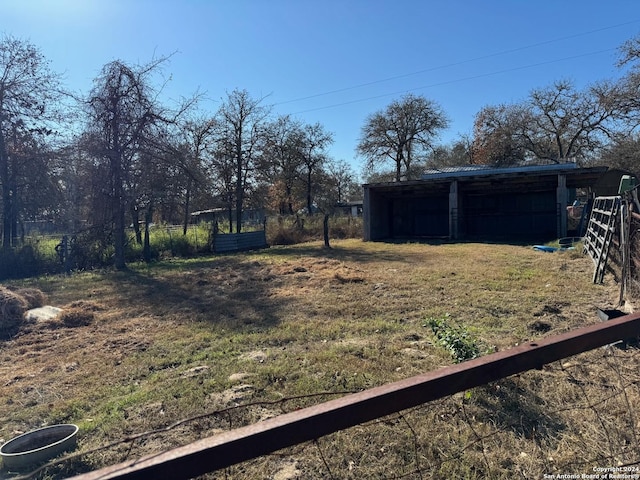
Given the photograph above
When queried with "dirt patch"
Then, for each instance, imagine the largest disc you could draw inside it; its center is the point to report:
(287, 471)
(414, 353)
(233, 395)
(238, 377)
(540, 327)
(255, 356)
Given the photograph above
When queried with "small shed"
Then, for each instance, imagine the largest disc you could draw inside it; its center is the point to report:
(478, 202)
(352, 208)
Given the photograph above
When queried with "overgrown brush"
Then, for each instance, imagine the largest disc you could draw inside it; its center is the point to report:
(292, 229)
(93, 248)
(166, 242)
(26, 261)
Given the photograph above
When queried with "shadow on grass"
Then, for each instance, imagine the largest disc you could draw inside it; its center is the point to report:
(237, 291)
(229, 291)
(512, 407)
(352, 251)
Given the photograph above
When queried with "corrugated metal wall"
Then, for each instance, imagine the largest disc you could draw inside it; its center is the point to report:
(232, 242)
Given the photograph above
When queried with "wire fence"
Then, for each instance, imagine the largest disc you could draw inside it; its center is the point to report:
(573, 418)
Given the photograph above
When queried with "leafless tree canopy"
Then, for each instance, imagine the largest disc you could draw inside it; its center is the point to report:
(556, 124)
(124, 156)
(405, 131)
(29, 96)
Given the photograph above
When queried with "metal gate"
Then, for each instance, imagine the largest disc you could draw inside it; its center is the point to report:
(602, 225)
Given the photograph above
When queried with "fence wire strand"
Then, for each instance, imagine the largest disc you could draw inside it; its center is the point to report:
(576, 416)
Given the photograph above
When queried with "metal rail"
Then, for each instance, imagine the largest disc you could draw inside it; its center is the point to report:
(228, 448)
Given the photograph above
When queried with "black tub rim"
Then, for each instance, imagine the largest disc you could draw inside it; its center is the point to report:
(22, 458)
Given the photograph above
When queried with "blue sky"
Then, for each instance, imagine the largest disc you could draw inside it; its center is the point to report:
(337, 61)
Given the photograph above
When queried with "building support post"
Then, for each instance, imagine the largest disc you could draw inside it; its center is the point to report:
(562, 199)
(366, 214)
(454, 217)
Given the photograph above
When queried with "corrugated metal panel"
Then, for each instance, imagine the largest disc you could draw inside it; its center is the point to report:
(232, 242)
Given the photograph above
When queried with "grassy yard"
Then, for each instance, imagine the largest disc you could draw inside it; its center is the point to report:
(181, 338)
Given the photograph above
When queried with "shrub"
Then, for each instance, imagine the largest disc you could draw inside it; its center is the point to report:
(460, 344)
(23, 262)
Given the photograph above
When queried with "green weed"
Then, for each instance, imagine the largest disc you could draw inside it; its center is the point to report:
(456, 340)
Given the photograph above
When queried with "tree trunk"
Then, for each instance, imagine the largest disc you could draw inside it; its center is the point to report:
(119, 240)
(14, 217)
(187, 205)
(399, 160)
(6, 218)
(239, 195)
(325, 230)
(135, 218)
(289, 200)
(6, 195)
(13, 211)
(309, 202)
(119, 237)
(146, 249)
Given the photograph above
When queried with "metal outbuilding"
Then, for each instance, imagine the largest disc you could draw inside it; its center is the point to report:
(477, 202)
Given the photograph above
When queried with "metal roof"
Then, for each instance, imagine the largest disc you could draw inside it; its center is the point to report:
(477, 170)
(516, 177)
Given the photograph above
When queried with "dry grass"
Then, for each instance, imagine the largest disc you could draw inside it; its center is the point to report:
(34, 297)
(12, 309)
(161, 343)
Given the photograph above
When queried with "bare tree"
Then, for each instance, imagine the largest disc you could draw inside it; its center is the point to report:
(565, 124)
(556, 123)
(342, 177)
(241, 122)
(29, 96)
(313, 148)
(405, 130)
(624, 153)
(497, 135)
(122, 110)
(628, 88)
(282, 161)
(223, 169)
(457, 153)
(199, 142)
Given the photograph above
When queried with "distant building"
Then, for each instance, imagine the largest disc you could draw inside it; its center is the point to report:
(249, 215)
(352, 208)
